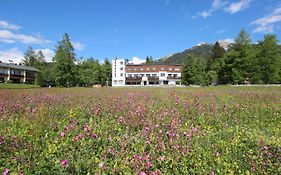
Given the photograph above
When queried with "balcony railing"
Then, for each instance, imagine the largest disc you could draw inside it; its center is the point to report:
(153, 78)
(3, 75)
(134, 79)
(173, 77)
(16, 76)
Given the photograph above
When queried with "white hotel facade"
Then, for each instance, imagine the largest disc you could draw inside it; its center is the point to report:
(126, 74)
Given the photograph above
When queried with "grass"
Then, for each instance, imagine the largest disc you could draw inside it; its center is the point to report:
(17, 86)
(210, 130)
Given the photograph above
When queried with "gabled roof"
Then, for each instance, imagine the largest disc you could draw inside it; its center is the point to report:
(21, 67)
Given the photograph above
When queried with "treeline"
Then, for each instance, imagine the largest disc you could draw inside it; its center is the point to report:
(65, 70)
(243, 63)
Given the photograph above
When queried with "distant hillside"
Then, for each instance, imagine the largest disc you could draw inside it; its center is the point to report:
(201, 50)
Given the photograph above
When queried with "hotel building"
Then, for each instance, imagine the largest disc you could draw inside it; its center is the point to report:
(124, 73)
(17, 73)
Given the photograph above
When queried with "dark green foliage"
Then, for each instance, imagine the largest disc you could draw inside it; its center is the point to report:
(194, 71)
(89, 72)
(65, 69)
(106, 73)
(267, 62)
(31, 58)
(217, 53)
(149, 60)
(237, 65)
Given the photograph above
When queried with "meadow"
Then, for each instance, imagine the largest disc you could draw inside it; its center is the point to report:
(153, 131)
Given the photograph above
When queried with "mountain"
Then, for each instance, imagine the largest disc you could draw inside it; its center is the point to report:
(200, 50)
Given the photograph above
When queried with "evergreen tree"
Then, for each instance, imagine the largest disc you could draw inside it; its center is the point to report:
(106, 73)
(89, 72)
(194, 71)
(40, 56)
(268, 61)
(30, 57)
(65, 68)
(149, 60)
(238, 66)
(217, 53)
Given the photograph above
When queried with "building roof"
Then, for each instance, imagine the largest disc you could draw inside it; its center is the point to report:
(21, 67)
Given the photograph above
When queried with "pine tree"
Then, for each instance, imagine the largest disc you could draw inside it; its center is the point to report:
(268, 61)
(194, 71)
(65, 68)
(30, 57)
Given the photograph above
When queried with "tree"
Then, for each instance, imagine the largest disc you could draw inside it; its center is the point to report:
(40, 56)
(194, 71)
(106, 73)
(237, 68)
(30, 57)
(267, 61)
(149, 60)
(65, 68)
(89, 72)
(218, 52)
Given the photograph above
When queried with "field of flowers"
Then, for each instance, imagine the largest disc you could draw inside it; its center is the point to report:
(213, 130)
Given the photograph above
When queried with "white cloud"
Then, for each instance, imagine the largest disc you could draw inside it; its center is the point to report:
(216, 5)
(7, 36)
(78, 45)
(238, 6)
(268, 23)
(6, 25)
(13, 54)
(48, 53)
(205, 14)
(136, 60)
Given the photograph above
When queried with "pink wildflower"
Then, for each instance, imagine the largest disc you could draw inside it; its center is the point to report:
(6, 171)
(62, 134)
(64, 162)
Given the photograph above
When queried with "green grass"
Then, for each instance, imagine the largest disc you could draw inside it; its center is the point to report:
(17, 86)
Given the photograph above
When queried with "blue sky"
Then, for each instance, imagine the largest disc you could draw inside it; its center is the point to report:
(130, 28)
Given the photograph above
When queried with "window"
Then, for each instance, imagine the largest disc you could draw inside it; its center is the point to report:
(121, 68)
(175, 75)
(121, 75)
(154, 75)
(170, 74)
(121, 63)
(129, 75)
(148, 75)
(141, 75)
(162, 74)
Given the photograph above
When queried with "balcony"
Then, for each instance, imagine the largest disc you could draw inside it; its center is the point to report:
(3, 75)
(17, 76)
(134, 79)
(153, 78)
(173, 77)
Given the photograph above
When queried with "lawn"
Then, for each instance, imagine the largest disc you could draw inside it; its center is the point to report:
(211, 130)
(17, 86)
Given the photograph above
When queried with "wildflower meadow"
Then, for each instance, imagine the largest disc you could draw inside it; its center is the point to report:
(145, 131)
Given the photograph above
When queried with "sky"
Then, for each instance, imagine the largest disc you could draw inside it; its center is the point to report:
(131, 29)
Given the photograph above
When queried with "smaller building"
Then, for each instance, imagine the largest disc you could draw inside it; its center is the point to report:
(17, 73)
